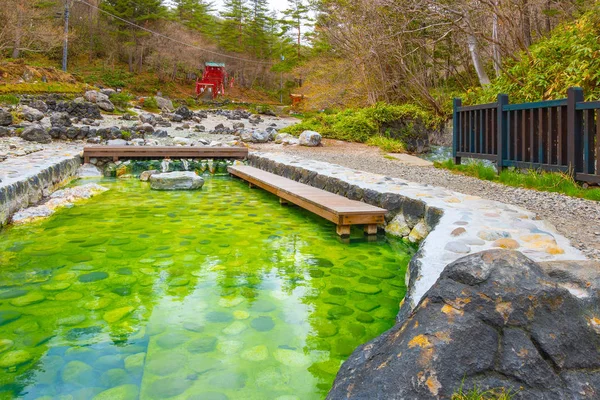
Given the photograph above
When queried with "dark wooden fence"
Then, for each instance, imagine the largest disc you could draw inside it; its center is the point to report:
(555, 135)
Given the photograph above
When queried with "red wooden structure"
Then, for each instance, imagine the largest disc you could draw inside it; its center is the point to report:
(213, 80)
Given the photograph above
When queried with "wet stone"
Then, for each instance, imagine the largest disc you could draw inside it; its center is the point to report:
(262, 324)
(15, 358)
(202, 345)
(28, 299)
(338, 312)
(93, 276)
(165, 363)
(169, 387)
(218, 316)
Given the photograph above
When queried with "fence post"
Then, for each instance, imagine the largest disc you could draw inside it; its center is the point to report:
(501, 132)
(574, 130)
(455, 129)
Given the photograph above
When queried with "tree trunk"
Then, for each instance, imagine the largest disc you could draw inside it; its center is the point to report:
(526, 25)
(495, 45)
(18, 32)
(474, 50)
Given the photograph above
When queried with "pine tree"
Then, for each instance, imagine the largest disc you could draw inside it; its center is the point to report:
(233, 26)
(196, 14)
(257, 34)
(296, 18)
(140, 12)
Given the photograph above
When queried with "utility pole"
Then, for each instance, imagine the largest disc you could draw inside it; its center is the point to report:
(281, 83)
(66, 39)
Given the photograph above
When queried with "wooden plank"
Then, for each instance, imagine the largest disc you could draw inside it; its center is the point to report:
(337, 209)
(532, 137)
(524, 135)
(542, 139)
(478, 107)
(597, 142)
(588, 105)
(588, 141)
(539, 104)
(164, 152)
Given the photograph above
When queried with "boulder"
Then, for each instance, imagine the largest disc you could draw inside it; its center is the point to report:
(494, 319)
(147, 118)
(254, 136)
(31, 114)
(286, 138)
(39, 105)
(179, 180)
(145, 128)
(164, 104)
(108, 92)
(145, 176)
(184, 112)
(36, 133)
(89, 171)
(310, 139)
(106, 105)
(4, 131)
(60, 119)
(160, 134)
(6, 118)
(94, 96)
(175, 118)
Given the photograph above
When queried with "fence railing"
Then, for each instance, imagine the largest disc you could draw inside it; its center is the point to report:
(555, 135)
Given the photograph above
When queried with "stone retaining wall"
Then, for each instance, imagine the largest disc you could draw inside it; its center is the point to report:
(36, 183)
(407, 218)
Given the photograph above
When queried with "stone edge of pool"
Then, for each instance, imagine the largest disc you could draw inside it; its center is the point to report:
(25, 181)
(448, 225)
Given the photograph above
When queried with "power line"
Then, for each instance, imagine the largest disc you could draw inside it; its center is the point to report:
(171, 39)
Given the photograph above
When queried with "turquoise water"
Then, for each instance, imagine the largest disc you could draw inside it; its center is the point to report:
(216, 294)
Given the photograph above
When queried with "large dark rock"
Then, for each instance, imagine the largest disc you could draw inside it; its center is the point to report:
(184, 112)
(6, 118)
(60, 119)
(493, 320)
(36, 133)
(413, 132)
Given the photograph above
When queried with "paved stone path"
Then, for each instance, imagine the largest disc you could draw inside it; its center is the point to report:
(25, 180)
(470, 223)
(577, 219)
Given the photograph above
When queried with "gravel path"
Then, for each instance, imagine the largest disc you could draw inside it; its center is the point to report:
(577, 219)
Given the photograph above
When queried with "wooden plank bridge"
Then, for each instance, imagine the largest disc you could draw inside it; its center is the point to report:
(131, 152)
(338, 209)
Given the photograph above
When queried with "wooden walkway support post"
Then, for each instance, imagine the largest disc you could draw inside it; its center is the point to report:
(456, 129)
(501, 132)
(574, 130)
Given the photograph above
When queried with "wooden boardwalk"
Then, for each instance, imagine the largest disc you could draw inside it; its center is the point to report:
(130, 152)
(338, 209)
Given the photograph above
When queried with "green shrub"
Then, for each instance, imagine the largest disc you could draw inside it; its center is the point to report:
(478, 394)
(149, 104)
(354, 128)
(387, 144)
(9, 99)
(116, 78)
(126, 135)
(121, 100)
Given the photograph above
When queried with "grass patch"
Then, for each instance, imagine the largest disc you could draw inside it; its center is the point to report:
(149, 104)
(532, 179)
(36, 88)
(121, 100)
(386, 144)
(9, 99)
(478, 394)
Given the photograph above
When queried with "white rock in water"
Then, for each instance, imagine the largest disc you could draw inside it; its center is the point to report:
(179, 180)
(145, 176)
(89, 171)
(310, 138)
(116, 142)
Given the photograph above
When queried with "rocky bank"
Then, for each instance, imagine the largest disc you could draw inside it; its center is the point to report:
(494, 319)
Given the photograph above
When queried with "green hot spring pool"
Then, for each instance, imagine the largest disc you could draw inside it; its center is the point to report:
(216, 294)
